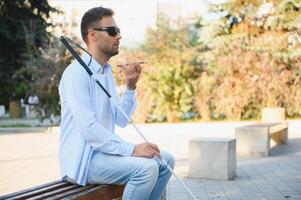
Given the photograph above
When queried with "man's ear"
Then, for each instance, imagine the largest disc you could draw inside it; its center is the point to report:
(91, 35)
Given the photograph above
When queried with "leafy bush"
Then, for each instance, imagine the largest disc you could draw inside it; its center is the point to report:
(171, 78)
(253, 60)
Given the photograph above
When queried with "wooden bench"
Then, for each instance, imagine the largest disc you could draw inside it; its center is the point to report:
(66, 190)
(254, 140)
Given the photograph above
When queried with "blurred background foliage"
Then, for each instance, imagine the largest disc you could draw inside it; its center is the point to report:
(228, 68)
(31, 58)
(248, 59)
(253, 59)
(22, 34)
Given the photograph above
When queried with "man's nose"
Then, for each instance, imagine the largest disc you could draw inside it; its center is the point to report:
(118, 36)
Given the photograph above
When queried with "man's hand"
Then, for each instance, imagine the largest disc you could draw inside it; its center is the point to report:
(147, 150)
(132, 72)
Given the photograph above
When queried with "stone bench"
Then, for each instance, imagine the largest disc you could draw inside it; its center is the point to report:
(65, 190)
(254, 140)
(212, 158)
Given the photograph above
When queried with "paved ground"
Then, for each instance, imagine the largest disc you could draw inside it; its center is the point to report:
(29, 159)
(274, 178)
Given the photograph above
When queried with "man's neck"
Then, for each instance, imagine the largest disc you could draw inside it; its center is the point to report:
(100, 58)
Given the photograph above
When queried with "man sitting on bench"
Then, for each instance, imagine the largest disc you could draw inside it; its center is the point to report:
(90, 152)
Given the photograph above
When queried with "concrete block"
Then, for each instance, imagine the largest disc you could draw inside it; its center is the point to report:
(212, 158)
(273, 114)
(254, 140)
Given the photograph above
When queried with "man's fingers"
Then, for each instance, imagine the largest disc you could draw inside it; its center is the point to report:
(146, 150)
(127, 69)
(138, 68)
(155, 147)
(152, 153)
(155, 150)
(157, 153)
(131, 64)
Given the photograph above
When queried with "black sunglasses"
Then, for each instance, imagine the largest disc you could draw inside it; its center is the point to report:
(111, 30)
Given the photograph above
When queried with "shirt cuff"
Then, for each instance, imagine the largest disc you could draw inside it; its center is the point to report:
(128, 94)
(126, 149)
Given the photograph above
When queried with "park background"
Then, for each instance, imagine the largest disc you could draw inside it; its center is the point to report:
(210, 66)
(225, 62)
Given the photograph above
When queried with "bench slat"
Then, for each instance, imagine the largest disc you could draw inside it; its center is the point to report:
(45, 190)
(55, 192)
(106, 192)
(33, 190)
(71, 192)
(65, 190)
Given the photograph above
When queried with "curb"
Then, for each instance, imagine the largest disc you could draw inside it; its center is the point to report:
(29, 130)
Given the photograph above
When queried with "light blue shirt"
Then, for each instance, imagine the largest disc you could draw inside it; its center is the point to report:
(89, 118)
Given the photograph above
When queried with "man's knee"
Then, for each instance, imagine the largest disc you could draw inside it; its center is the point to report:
(151, 167)
(168, 158)
(149, 170)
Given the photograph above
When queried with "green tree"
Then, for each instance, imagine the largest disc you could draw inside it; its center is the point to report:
(47, 68)
(23, 25)
(172, 54)
(254, 59)
(46, 71)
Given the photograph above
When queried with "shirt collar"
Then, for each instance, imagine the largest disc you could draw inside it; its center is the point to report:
(97, 67)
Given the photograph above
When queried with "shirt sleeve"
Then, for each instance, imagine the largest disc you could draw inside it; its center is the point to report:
(128, 104)
(79, 100)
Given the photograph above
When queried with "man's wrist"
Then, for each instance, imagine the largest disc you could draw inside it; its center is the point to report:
(133, 151)
(131, 88)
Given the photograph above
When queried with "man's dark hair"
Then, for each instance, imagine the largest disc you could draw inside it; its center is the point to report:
(91, 19)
